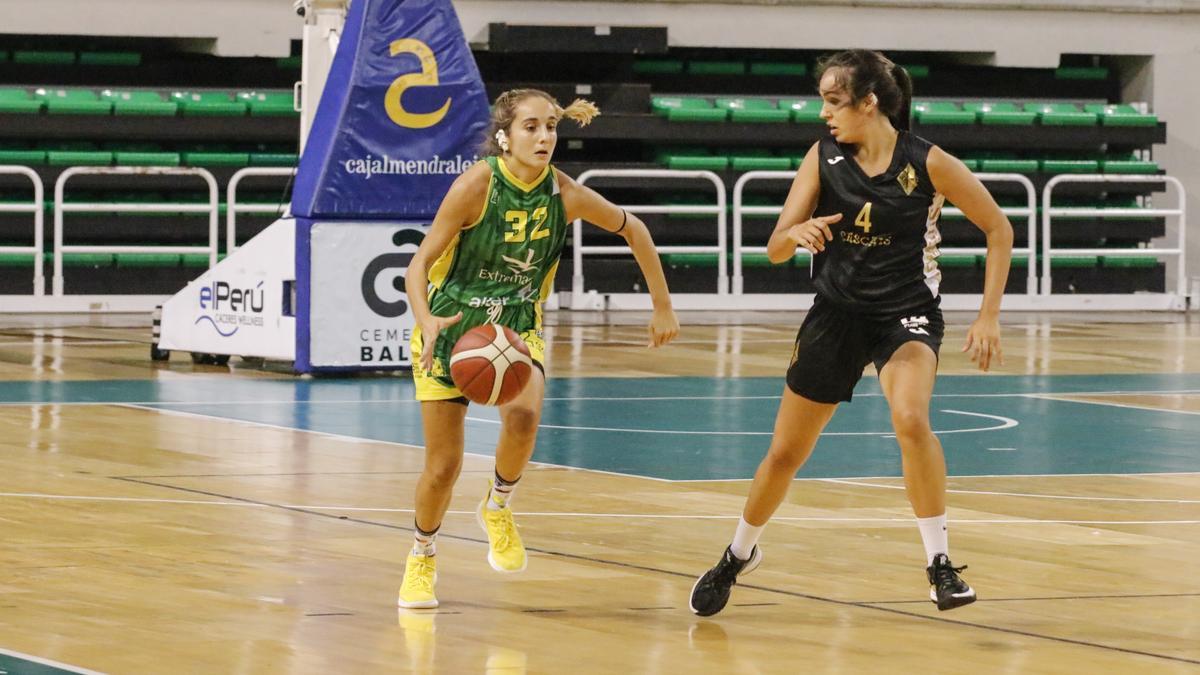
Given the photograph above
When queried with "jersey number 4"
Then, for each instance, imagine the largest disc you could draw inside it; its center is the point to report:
(864, 218)
(517, 220)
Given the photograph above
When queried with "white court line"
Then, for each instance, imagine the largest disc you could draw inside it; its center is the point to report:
(1005, 423)
(48, 662)
(409, 400)
(843, 481)
(582, 514)
(1062, 398)
(357, 439)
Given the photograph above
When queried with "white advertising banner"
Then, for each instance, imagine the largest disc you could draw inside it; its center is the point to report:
(243, 305)
(358, 312)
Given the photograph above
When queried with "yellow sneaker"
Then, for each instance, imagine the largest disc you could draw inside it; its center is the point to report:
(420, 574)
(506, 553)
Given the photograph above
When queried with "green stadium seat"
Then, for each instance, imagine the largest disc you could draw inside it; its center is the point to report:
(804, 110)
(274, 158)
(1075, 261)
(1121, 115)
(74, 102)
(19, 101)
(1087, 73)
(208, 103)
(1128, 261)
(147, 158)
(693, 162)
(687, 109)
(917, 71)
(716, 67)
(148, 259)
(44, 58)
(1000, 113)
(780, 69)
(269, 103)
(753, 110)
(1070, 166)
(139, 103)
(658, 67)
(998, 165)
(22, 157)
(79, 157)
(942, 112)
(1127, 166)
(216, 158)
(290, 62)
(1062, 114)
(110, 59)
(3, 56)
(751, 160)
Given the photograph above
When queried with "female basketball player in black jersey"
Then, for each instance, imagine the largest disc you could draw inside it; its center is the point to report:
(866, 203)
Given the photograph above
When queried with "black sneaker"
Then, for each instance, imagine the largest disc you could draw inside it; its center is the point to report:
(711, 591)
(947, 590)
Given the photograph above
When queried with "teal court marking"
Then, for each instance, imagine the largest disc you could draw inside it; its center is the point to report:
(16, 663)
(693, 428)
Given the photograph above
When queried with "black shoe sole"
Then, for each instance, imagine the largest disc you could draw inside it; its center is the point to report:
(951, 603)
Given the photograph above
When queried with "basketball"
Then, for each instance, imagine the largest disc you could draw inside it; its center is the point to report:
(490, 364)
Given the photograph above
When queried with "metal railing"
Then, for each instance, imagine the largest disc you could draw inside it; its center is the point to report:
(718, 209)
(232, 207)
(61, 208)
(1179, 252)
(1029, 211)
(39, 225)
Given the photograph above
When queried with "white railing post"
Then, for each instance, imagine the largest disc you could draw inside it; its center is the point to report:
(578, 249)
(60, 208)
(1029, 211)
(39, 224)
(232, 207)
(1049, 211)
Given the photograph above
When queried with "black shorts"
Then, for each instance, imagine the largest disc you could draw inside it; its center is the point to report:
(834, 346)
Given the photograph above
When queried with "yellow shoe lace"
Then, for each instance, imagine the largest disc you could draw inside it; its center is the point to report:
(503, 527)
(420, 575)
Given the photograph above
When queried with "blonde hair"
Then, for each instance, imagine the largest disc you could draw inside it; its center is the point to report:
(580, 111)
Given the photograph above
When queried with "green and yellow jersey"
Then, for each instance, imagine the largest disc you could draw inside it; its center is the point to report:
(499, 269)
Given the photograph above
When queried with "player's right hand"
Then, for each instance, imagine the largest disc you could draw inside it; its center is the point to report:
(430, 328)
(813, 233)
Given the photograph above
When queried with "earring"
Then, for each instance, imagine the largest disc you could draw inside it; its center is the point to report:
(502, 140)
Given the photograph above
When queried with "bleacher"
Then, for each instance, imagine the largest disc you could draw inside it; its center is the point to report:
(65, 104)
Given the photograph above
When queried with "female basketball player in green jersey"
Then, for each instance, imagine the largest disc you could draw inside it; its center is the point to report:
(490, 256)
(865, 203)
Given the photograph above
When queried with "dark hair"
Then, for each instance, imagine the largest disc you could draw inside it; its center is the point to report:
(863, 72)
(504, 111)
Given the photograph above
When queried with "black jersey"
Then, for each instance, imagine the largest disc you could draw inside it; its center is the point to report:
(883, 257)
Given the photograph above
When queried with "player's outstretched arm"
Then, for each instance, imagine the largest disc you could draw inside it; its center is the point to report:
(583, 202)
(961, 188)
(462, 205)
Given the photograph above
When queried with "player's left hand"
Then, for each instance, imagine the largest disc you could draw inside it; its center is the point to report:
(664, 326)
(983, 342)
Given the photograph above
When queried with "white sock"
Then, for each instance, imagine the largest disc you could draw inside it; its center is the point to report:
(745, 538)
(424, 543)
(501, 492)
(933, 535)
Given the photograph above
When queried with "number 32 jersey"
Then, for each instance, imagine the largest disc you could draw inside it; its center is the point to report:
(883, 257)
(509, 256)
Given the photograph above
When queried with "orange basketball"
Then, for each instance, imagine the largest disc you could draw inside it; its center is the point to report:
(490, 364)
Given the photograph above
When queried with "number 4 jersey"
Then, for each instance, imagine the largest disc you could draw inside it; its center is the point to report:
(883, 257)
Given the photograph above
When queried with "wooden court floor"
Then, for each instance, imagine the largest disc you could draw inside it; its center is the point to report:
(235, 531)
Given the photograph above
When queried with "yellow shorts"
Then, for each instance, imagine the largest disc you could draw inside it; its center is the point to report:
(436, 385)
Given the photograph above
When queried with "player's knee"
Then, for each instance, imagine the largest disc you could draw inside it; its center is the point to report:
(785, 458)
(521, 420)
(911, 423)
(443, 474)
